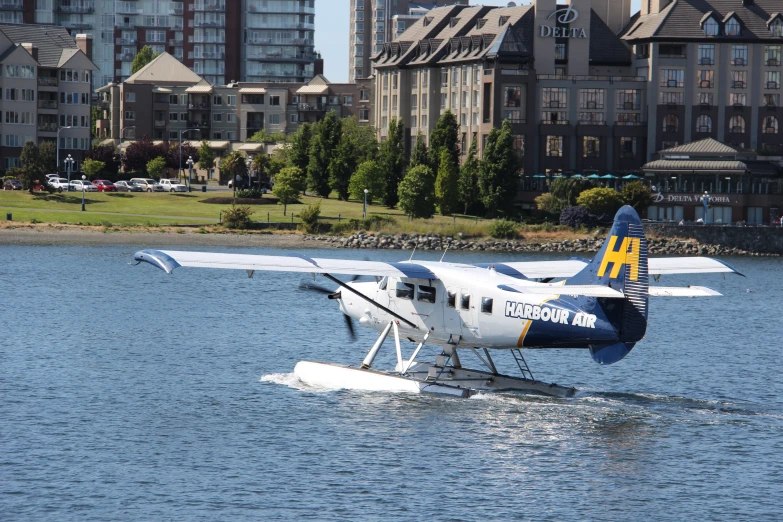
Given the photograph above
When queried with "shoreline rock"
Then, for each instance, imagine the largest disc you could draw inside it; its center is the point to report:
(656, 245)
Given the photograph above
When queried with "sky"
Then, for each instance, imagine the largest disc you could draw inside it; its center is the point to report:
(332, 33)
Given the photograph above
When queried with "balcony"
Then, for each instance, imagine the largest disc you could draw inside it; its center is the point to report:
(125, 57)
(555, 122)
(705, 60)
(254, 126)
(210, 23)
(210, 8)
(76, 9)
(669, 128)
(773, 62)
(738, 130)
(47, 127)
(160, 124)
(629, 106)
(739, 61)
(12, 6)
(48, 81)
(210, 56)
(739, 85)
(199, 106)
(630, 123)
(47, 104)
(705, 84)
(126, 41)
(203, 124)
(773, 85)
(703, 129)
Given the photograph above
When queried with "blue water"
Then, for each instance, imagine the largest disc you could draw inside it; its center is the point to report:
(127, 394)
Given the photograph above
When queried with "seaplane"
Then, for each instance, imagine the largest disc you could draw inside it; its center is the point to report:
(463, 309)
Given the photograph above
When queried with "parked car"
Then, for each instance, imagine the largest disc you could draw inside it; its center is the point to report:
(240, 184)
(52, 176)
(150, 185)
(58, 184)
(105, 186)
(127, 186)
(173, 185)
(12, 184)
(79, 185)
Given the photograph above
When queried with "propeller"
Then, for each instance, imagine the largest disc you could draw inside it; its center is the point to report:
(332, 295)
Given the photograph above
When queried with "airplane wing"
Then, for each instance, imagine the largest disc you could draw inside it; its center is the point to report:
(656, 266)
(168, 260)
(690, 291)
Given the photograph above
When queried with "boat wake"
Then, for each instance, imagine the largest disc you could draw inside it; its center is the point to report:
(292, 381)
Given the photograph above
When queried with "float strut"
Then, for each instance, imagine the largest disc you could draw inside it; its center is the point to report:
(377, 346)
(415, 353)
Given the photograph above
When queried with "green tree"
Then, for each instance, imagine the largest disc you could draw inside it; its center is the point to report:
(288, 185)
(32, 169)
(468, 177)
(547, 202)
(368, 176)
(498, 178)
(447, 184)
(260, 165)
(92, 167)
(357, 145)
(95, 114)
(142, 58)
(232, 166)
(567, 190)
(636, 194)
(156, 167)
(326, 139)
(600, 200)
(392, 161)
(416, 192)
(420, 155)
(47, 154)
(206, 157)
(445, 135)
(263, 136)
(299, 155)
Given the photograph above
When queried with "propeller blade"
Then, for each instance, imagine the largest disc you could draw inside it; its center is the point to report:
(349, 324)
(315, 288)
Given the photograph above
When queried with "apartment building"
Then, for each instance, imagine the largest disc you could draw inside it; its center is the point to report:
(590, 89)
(375, 22)
(221, 40)
(166, 101)
(45, 91)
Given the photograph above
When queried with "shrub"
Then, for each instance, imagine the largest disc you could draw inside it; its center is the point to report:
(547, 202)
(576, 217)
(309, 216)
(636, 194)
(600, 200)
(237, 217)
(156, 167)
(503, 229)
(249, 194)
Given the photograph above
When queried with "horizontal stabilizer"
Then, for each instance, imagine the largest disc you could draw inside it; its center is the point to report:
(558, 289)
(689, 265)
(676, 291)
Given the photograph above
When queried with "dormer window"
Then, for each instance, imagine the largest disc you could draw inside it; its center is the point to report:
(776, 28)
(733, 27)
(502, 21)
(711, 27)
(453, 22)
(481, 23)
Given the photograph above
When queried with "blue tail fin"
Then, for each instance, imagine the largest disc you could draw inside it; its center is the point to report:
(622, 265)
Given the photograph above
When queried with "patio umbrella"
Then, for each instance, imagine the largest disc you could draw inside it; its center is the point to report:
(558, 176)
(631, 176)
(593, 176)
(577, 176)
(539, 176)
(608, 176)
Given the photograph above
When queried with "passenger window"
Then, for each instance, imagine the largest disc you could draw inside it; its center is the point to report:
(383, 283)
(465, 302)
(451, 299)
(426, 294)
(486, 305)
(405, 290)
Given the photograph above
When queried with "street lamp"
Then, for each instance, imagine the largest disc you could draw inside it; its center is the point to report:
(189, 163)
(69, 168)
(84, 179)
(180, 152)
(249, 163)
(365, 203)
(58, 152)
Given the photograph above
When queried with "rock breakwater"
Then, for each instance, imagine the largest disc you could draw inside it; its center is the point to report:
(657, 246)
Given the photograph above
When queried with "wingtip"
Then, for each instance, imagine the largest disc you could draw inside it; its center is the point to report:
(157, 259)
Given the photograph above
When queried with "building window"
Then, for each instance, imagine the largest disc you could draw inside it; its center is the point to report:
(772, 55)
(454, 76)
(130, 97)
(592, 118)
(706, 98)
(561, 51)
(274, 119)
(739, 79)
(173, 116)
(705, 79)
(627, 147)
(554, 117)
(513, 96)
(443, 101)
(554, 146)
(394, 102)
(738, 99)
(770, 125)
(364, 114)
(591, 147)
(773, 79)
(348, 100)
(364, 95)
(672, 78)
(424, 102)
(591, 98)
(217, 99)
(274, 100)
(554, 97)
(776, 28)
(217, 117)
(733, 27)
(737, 124)
(739, 55)
(671, 123)
(707, 54)
(423, 121)
(711, 27)
(772, 100)
(395, 77)
(519, 144)
(385, 103)
(130, 115)
(671, 98)
(629, 99)
(704, 124)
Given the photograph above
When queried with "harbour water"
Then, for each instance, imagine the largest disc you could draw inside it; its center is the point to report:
(128, 394)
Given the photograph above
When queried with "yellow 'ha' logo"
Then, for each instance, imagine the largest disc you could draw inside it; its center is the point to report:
(627, 254)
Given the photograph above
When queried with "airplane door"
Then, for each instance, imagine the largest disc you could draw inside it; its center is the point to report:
(382, 297)
(452, 324)
(466, 304)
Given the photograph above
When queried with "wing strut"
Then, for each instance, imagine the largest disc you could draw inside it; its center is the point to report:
(347, 287)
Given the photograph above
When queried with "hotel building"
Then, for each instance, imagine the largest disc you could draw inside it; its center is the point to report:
(589, 88)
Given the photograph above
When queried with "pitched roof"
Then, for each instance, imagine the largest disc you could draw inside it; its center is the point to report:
(705, 146)
(165, 70)
(683, 19)
(53, 42)
(691, 165)
(605, 46)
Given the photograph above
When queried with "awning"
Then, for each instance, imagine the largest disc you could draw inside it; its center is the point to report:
(252, 147)
(313, 89)
(252, 90)
(199, 89)
(161, 90)
(158, 142)
(218, 144)
(109, 141)
(691, 166)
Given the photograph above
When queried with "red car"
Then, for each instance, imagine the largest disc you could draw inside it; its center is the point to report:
(105, 186)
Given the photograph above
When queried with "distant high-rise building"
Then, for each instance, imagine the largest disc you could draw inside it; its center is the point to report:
(375, 22)
(221, 40)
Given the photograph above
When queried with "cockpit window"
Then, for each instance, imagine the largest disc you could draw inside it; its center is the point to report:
(426, 294)
(404, 290)
(451, 299)
(465, 302)
(383, 283)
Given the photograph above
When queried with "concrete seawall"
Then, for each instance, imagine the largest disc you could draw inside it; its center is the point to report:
(765, 240)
